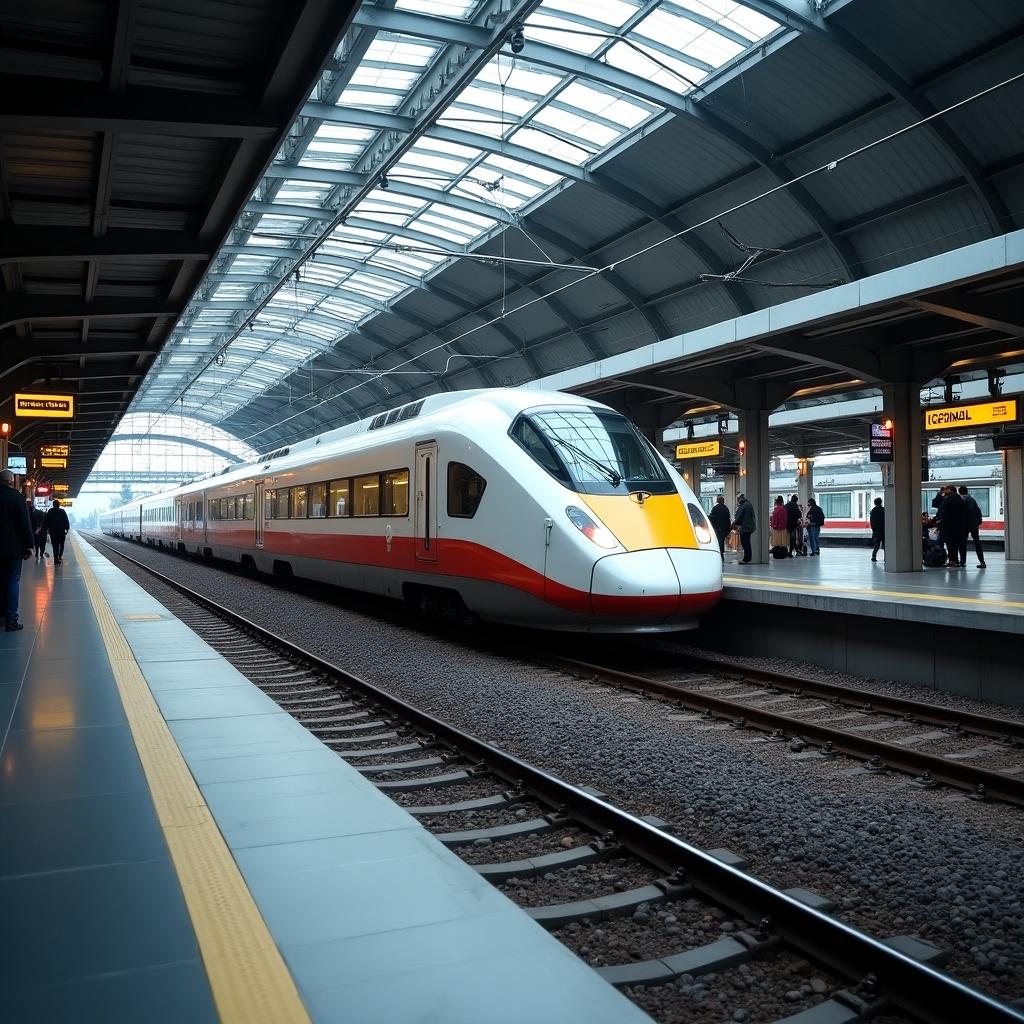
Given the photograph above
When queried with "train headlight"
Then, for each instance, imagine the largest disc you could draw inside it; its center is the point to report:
(700, 523)
(592, 530)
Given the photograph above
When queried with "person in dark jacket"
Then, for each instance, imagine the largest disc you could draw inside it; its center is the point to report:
(951, 520)
(746, 522)
(974, 518)
(721, 522)
(815, 521)
(37, 517)
(16, 544)
(57, 526)
(794, 513)
(877, 520)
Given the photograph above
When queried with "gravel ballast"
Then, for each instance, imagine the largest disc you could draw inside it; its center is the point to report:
(895, 858)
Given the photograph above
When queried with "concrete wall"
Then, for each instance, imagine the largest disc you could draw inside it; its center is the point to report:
(973, 662)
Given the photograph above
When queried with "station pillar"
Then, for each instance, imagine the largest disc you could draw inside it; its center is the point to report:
(901, 479)
(690, 470)
(754, 477)
(1013, 503)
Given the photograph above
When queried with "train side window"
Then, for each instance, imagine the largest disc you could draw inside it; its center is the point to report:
(317, 501)
(837, 505)
(465, 489)
(338, 498)
(214, 506)
(199, 510)
(983, 497)
(268, 504)
(394, 500)
(299, 505)
(281, 503)
(249, 506)
(366, 495)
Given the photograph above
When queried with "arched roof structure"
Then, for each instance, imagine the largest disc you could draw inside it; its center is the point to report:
(451, 210)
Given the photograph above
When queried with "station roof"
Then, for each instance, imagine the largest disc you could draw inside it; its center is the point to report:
(610, 195)
(131, 134)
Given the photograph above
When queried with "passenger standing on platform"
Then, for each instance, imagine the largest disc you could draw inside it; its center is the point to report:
(721, 522)
(57, 526)
(951, 519)
(779, 523)
(793, 516)
(877, 519)
(16, 544)
(815, 521)
(974, 518)
(38, 519)
(746, 523)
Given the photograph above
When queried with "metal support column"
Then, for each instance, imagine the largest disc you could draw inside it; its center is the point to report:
(901, 479)
(754, 476)
(690, 470)
(804, 480)
(1013, 503)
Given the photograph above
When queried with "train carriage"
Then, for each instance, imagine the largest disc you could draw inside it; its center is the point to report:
(520, 507)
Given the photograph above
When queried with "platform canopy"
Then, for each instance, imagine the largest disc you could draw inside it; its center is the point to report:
(132, 133)
(482, 193)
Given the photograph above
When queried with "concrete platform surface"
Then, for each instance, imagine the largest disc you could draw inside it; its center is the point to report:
(371, 917)
(844, 579)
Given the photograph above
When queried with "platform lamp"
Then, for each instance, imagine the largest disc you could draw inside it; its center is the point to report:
(742, 447)
(5, 434)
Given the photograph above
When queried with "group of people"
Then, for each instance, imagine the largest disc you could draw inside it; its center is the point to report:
(957, 517)
(792, 527)
(24, 529)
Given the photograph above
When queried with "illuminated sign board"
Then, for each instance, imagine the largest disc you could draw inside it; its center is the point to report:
(66, 503)
(955, 417)
(47, 407)
(17, 464)
(699, 450)
(42, 490)
(53, 463)
(61, 488)
(56, 451)
(880, 442)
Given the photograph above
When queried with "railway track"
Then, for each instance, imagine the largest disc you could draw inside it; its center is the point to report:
(584, 868)
(828, 719)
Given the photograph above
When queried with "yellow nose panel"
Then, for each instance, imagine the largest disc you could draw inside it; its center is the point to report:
(660, 522)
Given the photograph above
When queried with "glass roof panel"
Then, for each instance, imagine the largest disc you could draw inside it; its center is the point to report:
(563, 114)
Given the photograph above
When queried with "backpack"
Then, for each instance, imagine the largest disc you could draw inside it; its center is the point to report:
(780, 552)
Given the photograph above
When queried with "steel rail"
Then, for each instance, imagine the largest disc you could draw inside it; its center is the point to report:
(994, 785)
(931, 714)
(893, 977)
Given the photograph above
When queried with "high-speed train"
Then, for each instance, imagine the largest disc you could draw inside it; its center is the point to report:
(520, 507)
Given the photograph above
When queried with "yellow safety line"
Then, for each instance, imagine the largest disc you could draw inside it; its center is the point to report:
(249, 979)
(871, 592)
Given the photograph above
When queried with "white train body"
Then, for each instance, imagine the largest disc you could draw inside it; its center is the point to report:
(504, 502)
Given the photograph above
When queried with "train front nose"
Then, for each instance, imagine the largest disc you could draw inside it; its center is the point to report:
(661, 583)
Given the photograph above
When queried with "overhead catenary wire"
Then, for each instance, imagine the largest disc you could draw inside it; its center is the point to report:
(827, 167)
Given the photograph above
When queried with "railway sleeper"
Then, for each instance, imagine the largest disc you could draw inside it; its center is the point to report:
(498, 800)
(402, 748)
(615, 904)
(392, 735)
(424, 781)
(502, 871)
(532, 826)
(711, 958)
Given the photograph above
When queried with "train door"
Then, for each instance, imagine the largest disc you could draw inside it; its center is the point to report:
(140, 521)
(425, 515)
(179, 518)
(258, 514)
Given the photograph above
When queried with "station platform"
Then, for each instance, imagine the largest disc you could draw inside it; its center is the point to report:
(177, 848)
(960, 630)
(844, 579)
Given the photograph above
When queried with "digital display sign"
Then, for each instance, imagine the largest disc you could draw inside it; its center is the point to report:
(880, 442)
(47, 407)
(699, 450)
(49, 463)
(978, 414)
(56, 451)
(17, 464)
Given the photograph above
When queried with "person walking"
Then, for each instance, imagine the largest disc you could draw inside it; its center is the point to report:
(57, 526)
(815, 521)
(746, 523)
(38, 520)
(951, 519)
(721, 522)
(974, 518)
(16, 544)
(877, 520)
(794, 513)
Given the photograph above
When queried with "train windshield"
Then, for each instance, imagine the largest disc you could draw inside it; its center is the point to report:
(592, 450)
